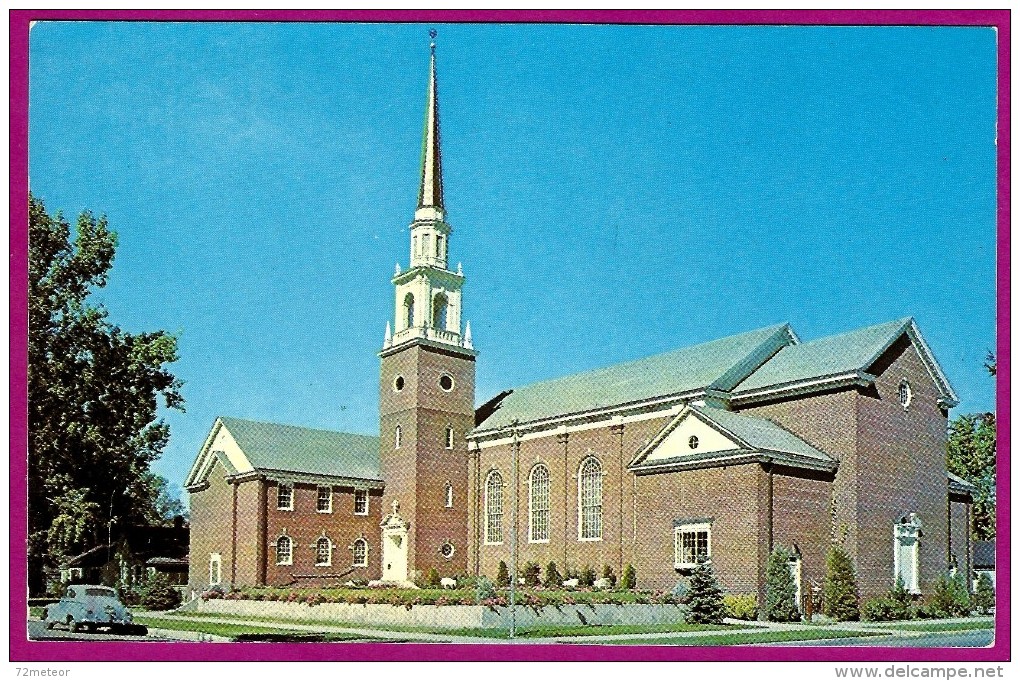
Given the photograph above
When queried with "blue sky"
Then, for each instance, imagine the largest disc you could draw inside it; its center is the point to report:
(614, 191)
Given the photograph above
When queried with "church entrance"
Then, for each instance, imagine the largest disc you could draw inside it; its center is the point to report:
(394, 547)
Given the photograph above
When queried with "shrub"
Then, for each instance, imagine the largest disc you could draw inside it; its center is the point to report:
(484, 589)
(839, 591)
(681, 592)
(607, 573)
(780, 589)
(570, 572)
(629, 577)
(531, 573)
(949, 598)
(553, 578)
(984, 597)
(741, 606)
(129, 596)
(896, 605)
(706, 598)
(432, 577)
(587, 576)
(160, 594)
(502, 575)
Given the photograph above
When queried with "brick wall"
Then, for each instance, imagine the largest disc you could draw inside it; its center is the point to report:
(801, 518)
(211, 518)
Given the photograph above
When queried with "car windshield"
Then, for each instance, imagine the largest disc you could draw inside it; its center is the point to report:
(108, 593)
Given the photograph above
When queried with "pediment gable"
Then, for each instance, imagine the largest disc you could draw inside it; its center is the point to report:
(691, 435)
(219, 445)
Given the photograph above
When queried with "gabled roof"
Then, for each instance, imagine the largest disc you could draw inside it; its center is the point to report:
(984, 554)
(279, 448)
(846, 354)
(756, 439)
(958, 484)
(719, 364)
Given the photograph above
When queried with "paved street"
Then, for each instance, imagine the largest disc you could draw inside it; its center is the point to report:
(977, 638)
(37, 631)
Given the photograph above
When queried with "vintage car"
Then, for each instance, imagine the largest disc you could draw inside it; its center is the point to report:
(90, 606)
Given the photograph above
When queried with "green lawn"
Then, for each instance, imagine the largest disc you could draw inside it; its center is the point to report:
(915, 625)
(35, 611)
(234, 630)
(749, 638)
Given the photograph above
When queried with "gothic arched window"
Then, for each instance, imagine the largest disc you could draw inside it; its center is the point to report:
(360, 549)
(284, 551)
(396, 438)
(494, 508)
(439, 306)
(589, 499)
(538, 504)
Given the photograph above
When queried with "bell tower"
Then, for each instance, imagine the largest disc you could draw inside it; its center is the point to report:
(426, 387)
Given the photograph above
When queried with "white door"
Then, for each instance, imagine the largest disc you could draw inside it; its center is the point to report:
(394, 554)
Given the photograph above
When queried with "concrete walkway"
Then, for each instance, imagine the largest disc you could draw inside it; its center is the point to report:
(425, 637)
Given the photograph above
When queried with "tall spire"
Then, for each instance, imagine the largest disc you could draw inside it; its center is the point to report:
(430, 191)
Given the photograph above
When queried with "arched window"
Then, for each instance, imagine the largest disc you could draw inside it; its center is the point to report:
(323, 551)
(409, 310)
(439, 305)
(284, 551)
(360, 549)
(449, 437)
(396, 438)
(538, 504)
(589, 500)
(439, 246)
(449, 495)
(494, 508)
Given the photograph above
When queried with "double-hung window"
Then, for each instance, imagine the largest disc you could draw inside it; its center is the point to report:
(361, 502)
(285, 497)
(324, 502)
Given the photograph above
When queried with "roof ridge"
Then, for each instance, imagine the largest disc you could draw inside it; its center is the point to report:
(636, 360)
(902, 322)
(225, 419)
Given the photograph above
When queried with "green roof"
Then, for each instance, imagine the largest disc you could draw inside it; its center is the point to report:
(717, 364)
(278, 447)
(833, 355)
(761, 434)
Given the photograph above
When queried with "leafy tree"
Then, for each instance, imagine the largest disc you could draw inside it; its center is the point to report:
(971, 455)
(780, 589)
(705, 597)
(949, 597)
(93, 393)
(839, 590)
(553, 578)
(159, 594)
(984, 597)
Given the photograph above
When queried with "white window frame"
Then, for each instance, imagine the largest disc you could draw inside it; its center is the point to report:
(908, 530)
(396, 437)
(904, 394)
(363, 495)
(329, 552)
(689, 528)
(354, 553)
(217, 560)
(449, 437)
(290, 497)
(289, 560)
(581, 501)
(493, 529)
(532, 539)
(449, 495)
(329, 499)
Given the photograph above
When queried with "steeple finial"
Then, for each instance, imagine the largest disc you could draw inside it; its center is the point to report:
(430, 191)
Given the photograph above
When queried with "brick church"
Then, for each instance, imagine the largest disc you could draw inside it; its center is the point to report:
(725, 450)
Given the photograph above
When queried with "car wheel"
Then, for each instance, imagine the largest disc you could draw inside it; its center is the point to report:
(138, 630)
(73, 625)
(48, 624)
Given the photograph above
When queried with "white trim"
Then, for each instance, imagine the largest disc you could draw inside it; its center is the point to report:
(358, 491)
(678, 531)
(318, 494)
(908, 530)
(485, 508)
(548, 504)
(217, 559)
(439, 382)
(448, 496)
(276, 549)
(398, 435)
(449, 437)
(789, 389)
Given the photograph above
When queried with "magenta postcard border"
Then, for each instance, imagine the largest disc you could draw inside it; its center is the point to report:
(23, 650)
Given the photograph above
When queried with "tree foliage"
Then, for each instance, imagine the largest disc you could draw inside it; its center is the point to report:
(705, 597)
(93, 393)
(780, 589)
(984, 597)
(971, 455)
(840, 599)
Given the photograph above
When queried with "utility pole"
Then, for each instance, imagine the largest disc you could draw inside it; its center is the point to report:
(516, 447)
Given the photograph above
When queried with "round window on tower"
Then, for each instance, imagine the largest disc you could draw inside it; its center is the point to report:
(692, 442)
(398, 384)
(446, 550)
(446, 382)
